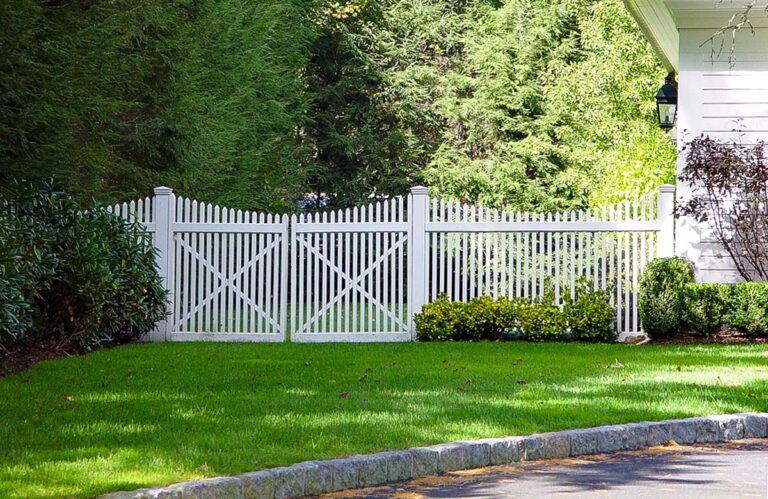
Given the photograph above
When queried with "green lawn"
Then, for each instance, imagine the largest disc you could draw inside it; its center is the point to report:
(154, 414)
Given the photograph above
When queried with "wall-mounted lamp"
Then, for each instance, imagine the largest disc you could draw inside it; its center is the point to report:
(666, 102)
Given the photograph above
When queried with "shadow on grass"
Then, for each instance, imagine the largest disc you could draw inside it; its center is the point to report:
(153, 414)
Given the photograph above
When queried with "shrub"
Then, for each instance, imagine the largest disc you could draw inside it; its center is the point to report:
(481, 318)
(440, 320)
(15, 312)
(77, 279)
(591, 317)
(706, 307)
(484, 318)
(749, 309)
(728, 187)
(542, 321)
(661, 300)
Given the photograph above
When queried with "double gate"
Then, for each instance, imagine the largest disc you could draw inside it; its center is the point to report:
(360, 274)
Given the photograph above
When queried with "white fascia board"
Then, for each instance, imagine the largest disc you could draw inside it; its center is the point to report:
(658, 25)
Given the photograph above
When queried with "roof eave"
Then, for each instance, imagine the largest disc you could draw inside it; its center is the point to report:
(658, 26)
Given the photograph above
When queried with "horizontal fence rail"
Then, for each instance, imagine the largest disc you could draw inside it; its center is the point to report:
(360, 274)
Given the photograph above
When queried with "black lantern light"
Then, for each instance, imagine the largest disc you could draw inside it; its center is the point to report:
(666, 102)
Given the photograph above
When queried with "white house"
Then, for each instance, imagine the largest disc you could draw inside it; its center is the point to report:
(718, 92)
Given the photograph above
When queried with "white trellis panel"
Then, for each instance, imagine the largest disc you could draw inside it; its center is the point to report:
(349, 274)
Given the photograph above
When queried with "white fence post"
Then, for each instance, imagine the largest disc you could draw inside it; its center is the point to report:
(417, 254)
(165, 215)
(664, 212)
(285, 234)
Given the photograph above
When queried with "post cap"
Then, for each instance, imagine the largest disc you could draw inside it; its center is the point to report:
(667, 188)
(419, 189)
(163, 191)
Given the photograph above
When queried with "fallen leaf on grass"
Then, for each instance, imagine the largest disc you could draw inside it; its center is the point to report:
(344, 395)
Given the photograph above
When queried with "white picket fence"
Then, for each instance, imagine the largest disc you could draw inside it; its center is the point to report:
(360, 274)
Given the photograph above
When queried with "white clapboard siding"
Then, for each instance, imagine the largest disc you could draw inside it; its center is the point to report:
(728, 101)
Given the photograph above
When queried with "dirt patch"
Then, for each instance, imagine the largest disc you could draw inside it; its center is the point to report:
(16, 361)
(19, 360)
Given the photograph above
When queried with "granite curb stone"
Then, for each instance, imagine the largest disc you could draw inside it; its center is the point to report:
(450, 456)
(344, 473)
(583, 442)
(532, 447)
(557, 444)
(289, 480)
(683, 430)
(755, 425)
(316, 477)
(425, 461)
(258, 484)
(371, 470)
(504, 450)
(399, 466)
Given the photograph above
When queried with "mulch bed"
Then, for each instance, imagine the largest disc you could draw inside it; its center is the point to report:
(722, 338)
(14, 362)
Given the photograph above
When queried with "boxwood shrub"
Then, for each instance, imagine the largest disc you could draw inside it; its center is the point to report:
(706, 305)
(591, 317)
(748, 313)
(671, 304)
(72, 279)
(662, 303)
(588, 318)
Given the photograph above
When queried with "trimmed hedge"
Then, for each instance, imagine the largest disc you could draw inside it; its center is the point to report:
(72, 280)
(705, 307)
(588, 318)
(748, 313)
(672, 304)
(661, 303)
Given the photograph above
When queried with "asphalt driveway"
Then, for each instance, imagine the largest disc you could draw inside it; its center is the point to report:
(736, 469)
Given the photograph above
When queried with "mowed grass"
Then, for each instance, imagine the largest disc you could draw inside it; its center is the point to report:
(155, 414)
